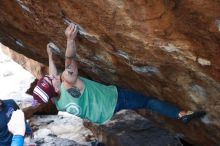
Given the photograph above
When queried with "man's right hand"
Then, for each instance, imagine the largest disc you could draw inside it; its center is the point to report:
(71, 31)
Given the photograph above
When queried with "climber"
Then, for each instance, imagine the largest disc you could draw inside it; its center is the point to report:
(7, 107)
(91, 100)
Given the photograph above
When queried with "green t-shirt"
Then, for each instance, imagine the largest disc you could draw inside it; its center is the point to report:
(97, 102)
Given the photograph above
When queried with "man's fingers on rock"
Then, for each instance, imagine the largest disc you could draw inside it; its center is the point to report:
(69, 26)
(73, 27)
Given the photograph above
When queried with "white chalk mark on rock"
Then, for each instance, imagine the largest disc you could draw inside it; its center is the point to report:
(122, 54)
(23, 6)
(54, 48)
(218, 24)
(204, 62)
(18, 42)
(145, 69)
(82, 32)
(170, 48)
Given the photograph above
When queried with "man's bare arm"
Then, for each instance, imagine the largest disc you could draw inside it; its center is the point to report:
(70, 32)
(52, 66)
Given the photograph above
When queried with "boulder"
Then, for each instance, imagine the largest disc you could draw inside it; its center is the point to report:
(168, 49)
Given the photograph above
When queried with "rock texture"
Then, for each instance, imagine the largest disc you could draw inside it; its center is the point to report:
(169, 49)
(127, 128)
(62, 129)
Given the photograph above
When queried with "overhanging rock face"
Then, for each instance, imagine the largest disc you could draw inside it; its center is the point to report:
(169, 49)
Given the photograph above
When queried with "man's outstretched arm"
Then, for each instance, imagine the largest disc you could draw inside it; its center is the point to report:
(70, 32)
(52, 66)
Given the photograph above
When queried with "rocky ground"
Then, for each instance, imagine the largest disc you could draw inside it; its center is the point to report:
(56, 130)
(127, 128)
